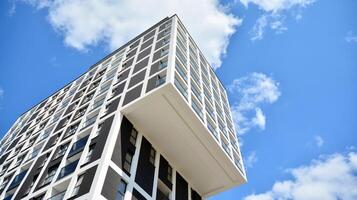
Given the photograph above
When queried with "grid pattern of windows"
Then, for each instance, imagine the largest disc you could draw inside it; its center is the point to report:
(74, 109)
(199, 85)
(58, 139)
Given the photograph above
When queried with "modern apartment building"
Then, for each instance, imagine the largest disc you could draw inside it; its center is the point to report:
(149, 121)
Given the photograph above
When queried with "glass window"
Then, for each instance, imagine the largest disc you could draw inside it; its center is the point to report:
(8, 197)
(62, 150)
(164, 51)
(32, 184)
(133, 136)
(41, 197)
(17, 150)
(73, 129)
(4, 168)
(99, 129)
(90, 153)
(43, 162)
(169, 173)
(121, 190)
(78, 184)
(165, 41)
(127, 161)
(4, 183)
(160, 80)
(56, 140)
(51, 173)
(78, 146)
(163, 64)
(152, 156)
(68, 169)
(19, 160)
(80, 112)
(88, 97)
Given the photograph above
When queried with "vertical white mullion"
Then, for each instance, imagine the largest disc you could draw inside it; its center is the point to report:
(148, 67)
(134, 165)
(172, 51)
(156, 174)
(189, 84)
(189, 191)
(173, 193)
(103, 165)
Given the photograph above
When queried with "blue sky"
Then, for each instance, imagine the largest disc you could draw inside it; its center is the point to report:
(293, 62)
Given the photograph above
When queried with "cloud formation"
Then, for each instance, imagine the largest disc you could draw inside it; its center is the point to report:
(86, 23)
(1, 93)
(251, 159)
(330, 177)
(351, 37)
(276, 6)
(1, 96)
(319, 141)
(251, 92)
(273, 21)
(275, 13)
(12, 10)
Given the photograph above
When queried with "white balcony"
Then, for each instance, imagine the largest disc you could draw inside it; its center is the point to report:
(165, 118)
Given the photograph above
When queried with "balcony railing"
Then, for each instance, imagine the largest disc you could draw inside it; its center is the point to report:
(181, 88)
(68, 169)
(119, 197)
(104, 89)
(160, 81)
(161, 196)
(212, 130)
(239, 165)
(98, 103)
(78, 146)
(75, 191)
(87, 98)
(210, 112)
(58, 196)
(235, 146)
(181, 57)
(181, 72)
(45, 135)
(34, 153)
(226, 148)
(89, 121)
(109, 76)
(196, 92)
(71, 131)
(61, 152)
(197, 109)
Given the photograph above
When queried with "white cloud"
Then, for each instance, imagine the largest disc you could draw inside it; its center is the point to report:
(277, 5)
(1, 93)
(298, 17)
(1, 96)
(351, 148)
(250, 92)
(274, 15)
(259, 118)
(12, 10)
(87, 23)
(54, 61)
(331, 177)
(278, 24)
(273, 21)
(351, 37)
(319, 141)
(259, 27)
(251, 159)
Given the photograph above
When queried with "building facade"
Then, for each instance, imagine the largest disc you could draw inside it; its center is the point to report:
(149, 121)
